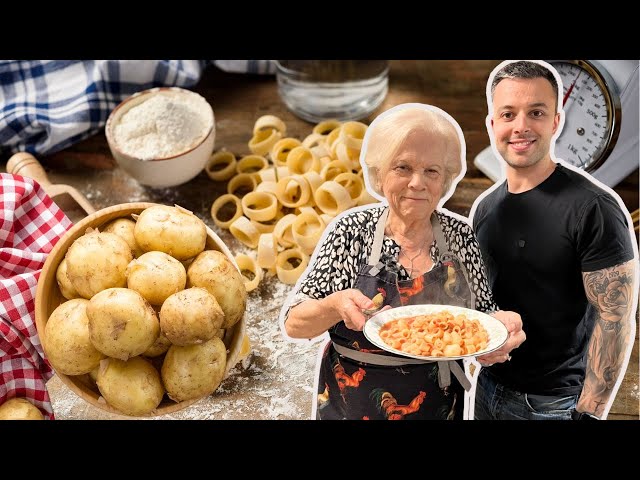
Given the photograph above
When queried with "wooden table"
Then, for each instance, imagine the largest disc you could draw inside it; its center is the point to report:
(276, 381)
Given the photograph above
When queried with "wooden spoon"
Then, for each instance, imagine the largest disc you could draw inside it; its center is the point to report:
(70, 200)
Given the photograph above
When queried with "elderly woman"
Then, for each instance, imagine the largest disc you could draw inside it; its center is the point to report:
(409, 252)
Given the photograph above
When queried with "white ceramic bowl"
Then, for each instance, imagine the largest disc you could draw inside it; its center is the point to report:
(166, 171)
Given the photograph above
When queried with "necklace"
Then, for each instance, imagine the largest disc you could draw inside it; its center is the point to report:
(410, 269)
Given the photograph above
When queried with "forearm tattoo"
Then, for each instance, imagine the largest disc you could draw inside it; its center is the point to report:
(610, 291)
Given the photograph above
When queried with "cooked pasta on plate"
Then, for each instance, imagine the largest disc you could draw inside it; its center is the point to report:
(435, 332)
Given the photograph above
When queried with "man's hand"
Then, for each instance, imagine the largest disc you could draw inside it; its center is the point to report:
(513, 322)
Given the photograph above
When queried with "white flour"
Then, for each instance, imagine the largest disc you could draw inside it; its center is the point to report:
(162, 126)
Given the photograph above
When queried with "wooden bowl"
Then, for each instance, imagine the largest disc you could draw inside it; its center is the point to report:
(48, 297)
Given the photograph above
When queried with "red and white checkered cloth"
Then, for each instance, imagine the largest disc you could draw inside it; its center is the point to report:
(30, 225)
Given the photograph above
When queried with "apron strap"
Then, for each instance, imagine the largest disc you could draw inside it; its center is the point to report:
(445, 367)
(443, 248)
(378, 238)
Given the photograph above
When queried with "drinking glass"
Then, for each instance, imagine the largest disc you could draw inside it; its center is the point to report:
(318, 90)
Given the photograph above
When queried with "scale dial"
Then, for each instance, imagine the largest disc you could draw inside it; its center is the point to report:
(592, 114)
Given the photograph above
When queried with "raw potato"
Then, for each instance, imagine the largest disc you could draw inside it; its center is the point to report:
(156, 276)
(172, 230)
(64, 284)
(160, 346)
(121, 323)
(19, 409)
(97, 261)
(190, 316)
(213, 271)
(123, 227)
(125, 325)
(133, 387)
(66, 339)
(195, 370)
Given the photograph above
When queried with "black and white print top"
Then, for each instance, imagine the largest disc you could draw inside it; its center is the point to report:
(346, 250)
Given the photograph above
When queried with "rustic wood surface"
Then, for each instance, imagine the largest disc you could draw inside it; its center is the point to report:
(458, 87)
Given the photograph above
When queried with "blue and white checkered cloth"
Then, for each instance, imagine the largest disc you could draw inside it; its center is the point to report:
(46, 106)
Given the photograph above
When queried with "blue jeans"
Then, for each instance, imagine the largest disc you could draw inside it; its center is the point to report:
(497, 402)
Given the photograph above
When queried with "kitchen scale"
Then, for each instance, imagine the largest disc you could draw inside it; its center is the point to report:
(600, 133)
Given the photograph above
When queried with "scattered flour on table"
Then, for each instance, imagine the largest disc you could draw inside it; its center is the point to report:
(162, 126)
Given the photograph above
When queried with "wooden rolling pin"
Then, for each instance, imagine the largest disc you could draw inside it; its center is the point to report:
(27, 165)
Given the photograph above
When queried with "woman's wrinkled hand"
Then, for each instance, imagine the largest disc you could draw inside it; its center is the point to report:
(513, 322)
(349, 304)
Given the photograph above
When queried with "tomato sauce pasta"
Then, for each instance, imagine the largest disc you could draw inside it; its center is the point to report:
(435, 335)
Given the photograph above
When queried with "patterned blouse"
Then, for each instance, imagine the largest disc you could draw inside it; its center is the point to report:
(346, 249)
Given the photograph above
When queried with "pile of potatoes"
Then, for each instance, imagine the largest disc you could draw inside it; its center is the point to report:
(146, 312)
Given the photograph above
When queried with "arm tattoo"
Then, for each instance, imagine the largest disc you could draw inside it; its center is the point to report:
(610, 291)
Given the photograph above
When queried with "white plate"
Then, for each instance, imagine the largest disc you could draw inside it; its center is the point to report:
(498, 333)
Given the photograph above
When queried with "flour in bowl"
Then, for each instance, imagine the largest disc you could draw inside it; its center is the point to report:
(163, 126)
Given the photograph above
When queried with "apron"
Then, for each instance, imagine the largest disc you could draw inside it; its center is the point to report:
(360, 381)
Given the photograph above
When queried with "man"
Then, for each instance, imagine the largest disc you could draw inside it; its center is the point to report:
(558, 249)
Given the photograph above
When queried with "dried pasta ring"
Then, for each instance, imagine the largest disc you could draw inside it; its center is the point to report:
(225, 158)
(260, 206)
(307, 229)
(282, 172)
(219, 204)
(301, 160)
(326, 218)
(314, 180)
(268, 226)
(242, 181)
(273, 174)
(270, 121)
(353, 184)
(313, 140)
(287, 273)
(244, 231)
(325, 127)
(247, 263)
(352, 134)
(283, 233)
(281, 149)
(263, 140)
(293, 191)
(307, 209)
(267, 186)
(321, 150)
(332, 198)
(324, 161)
(267, 251)
(251, 164)
(348, 156)
(333, 169)
(267, 175)
(333, 136)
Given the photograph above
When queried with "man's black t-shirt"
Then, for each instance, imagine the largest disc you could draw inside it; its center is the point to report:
(535, 246)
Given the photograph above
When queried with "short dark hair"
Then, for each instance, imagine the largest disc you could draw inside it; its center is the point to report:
(524, 69)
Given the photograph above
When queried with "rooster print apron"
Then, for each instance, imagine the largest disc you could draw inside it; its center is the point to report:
(360, 381)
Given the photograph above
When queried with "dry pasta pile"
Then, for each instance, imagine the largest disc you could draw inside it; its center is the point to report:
(286, 192)
(435, 335)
